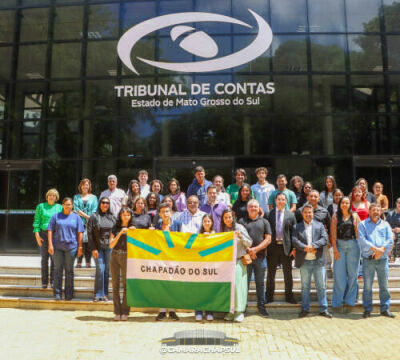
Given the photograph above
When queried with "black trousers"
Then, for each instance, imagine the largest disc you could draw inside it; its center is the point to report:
(276, 256)
(85, 253)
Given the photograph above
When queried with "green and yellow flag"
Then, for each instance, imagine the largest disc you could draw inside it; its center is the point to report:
(181, 270)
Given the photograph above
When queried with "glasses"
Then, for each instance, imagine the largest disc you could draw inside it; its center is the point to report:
(105, 203)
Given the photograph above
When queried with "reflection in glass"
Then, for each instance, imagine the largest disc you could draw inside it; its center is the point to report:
(31, 62)
(68, 22)
(291, 95)
(100, 98)
(103, 21)
(64, 100)
(365, 53)
(5, 62)
(6, 26)
(62, 139)
(25, 139)
(139, 11)
(288, 16)
(33, 106)
(34, 24)
(329, 93)
(326, 15)
(368, 94)
(289, 53)
(328, 52)
(7, 3)
(62, 173)
(66, 60)
(366, 19)
(102, 58)
(392, 15)
(393, 48)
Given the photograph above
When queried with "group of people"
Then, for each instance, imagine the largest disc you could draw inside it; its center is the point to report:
(273, 226)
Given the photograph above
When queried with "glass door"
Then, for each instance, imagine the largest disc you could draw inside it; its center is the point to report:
(20, 188)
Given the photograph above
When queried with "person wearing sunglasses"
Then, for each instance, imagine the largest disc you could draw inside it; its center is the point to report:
(99, 228)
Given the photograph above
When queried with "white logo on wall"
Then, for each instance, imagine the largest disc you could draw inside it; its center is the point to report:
(196, 42)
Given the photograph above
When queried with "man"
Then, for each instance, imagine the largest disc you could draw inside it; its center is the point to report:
(322, 215)
(191, 218)
(279, 251)
(309, 238)
(260, 232)
(167, 224)
(143, 176)
(376, 240)
(262, 189)
(117, 196)
(393, 218)
(222, 195)
(214, 208)
(199, 185)
(281, 182)
(233, 189)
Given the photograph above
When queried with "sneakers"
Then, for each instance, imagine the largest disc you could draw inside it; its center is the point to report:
(199, 317)
(388, 314)
(117, 318)
(229, 317)
(173, 316)
(366, 314)
(239, 317)
(263, 312)
(210, 317)
(303, 313)
(325, 314)
(124, 317)
(161, 316)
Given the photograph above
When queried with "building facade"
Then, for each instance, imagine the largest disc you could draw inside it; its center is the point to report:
(334, 108)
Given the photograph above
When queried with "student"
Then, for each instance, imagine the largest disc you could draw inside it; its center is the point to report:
(222, 196)
(326, 196)
(156, 186)
(199, 185)
(133, 193)
(262, 189)
(143, 177)
(233, 189)
(174, 190)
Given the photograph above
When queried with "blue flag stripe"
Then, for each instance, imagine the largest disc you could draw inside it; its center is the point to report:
(216, 248)
(168, 239)
(143, 246)
(190, 241)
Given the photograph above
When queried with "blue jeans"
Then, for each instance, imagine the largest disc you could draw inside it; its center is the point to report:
(308, 268)
(381, 267)
(64, 260)
(102, 273)
(345, 288)
(259, 267)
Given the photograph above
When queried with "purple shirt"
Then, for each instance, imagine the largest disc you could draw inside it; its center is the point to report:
(199, 190)
(180, 201)
(216, 213)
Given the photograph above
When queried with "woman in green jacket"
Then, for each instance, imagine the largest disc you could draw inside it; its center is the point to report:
(43, 213)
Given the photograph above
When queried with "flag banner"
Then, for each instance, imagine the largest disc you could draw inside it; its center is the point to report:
(181, 270)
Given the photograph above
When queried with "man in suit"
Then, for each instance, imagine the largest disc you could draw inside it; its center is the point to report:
(279, 251)
(309, 239)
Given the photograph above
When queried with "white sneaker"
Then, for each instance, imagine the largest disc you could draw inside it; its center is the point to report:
(210, 317)
(239, 317)
(117, 318)
(124, 317)
(199, 317)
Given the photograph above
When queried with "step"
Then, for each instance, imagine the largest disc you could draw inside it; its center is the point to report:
(84, 305)
(280, 294)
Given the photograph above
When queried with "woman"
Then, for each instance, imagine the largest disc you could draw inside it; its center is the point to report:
(359, 204)
(207, 227)
(65, 234)
(153, 203)
(381, 199)
(307, 187)
(140, 218)
(222, 195)
(43, 214)
(363, 184)
(118, 261)
(133, 192)
(99, 228)
(156, 186)
(240, 205)
(296, 185)
(337, 195)
(347, 252)
(85, 204)
(243, 242)
(174, 190)
(326, 196)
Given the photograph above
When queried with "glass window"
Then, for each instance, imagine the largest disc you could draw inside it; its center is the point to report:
(102, 58)
(62, 139)
(366, 19)
(29, 100)
(33, 106)
(289, 53)
(100, 98)
(31, 62)
(392, 15)
(66, 60)
(368, 94)
(328, 52)
(326, 15)
(137, 12)
(68, 22)
(7, 3)
(146, 49)
(393, 47)
(25, 139)
(7, 26)
(5, 62)
(222, 7)
(394, 95)
(34, 24)
(288, 16)
(3, 143)
(103, 21)
(65, 100)
(62, 174)
(35, 2)
(262, 63)
(3, 100)
(365, 53)
(240, 10)
(337, 134)
(330, 93)
(291, 94)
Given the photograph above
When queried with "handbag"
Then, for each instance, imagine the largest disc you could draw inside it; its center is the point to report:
(246, 259)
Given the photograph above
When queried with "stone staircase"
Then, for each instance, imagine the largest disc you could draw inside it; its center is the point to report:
(20, 287)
